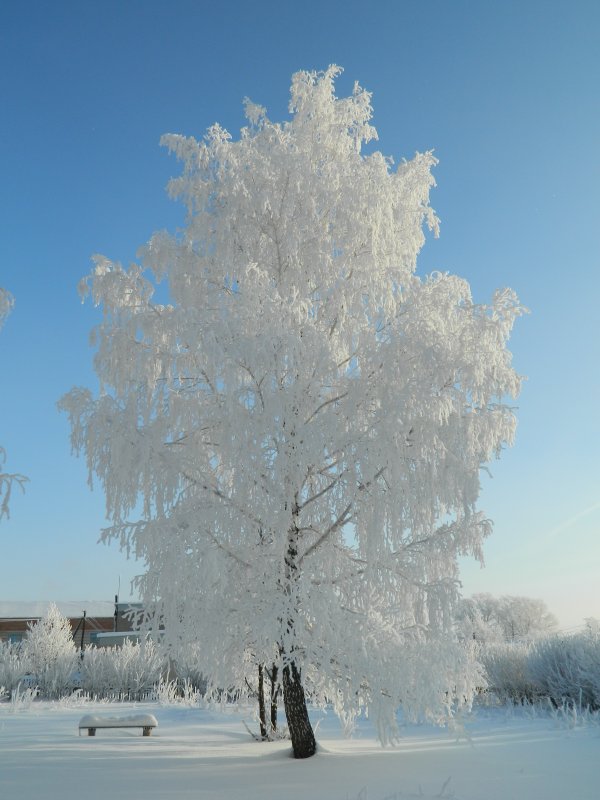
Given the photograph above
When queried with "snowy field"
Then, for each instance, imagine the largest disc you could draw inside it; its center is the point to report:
(197, 753)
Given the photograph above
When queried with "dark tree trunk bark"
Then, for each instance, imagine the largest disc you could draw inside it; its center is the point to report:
(274, 694)
(262, 713)
(301, 732)
(294, 699)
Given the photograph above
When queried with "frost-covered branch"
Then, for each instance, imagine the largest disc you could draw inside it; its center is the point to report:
(324, 491)
(228, 550)
(7, 480)
(6, 304)
(324, 404)
(343, 519)
(7, 483)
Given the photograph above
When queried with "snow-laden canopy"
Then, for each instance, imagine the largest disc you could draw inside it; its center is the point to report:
(299, 433)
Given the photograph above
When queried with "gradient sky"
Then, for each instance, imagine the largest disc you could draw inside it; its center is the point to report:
(506, 93)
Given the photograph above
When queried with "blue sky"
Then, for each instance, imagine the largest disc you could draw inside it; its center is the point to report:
(506, 93)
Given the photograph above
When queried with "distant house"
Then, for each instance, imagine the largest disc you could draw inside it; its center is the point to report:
(92, 625)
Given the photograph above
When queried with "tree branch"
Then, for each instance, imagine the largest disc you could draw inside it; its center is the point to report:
(225, 498)
(340, 522)
(324, 404)
(323, 491)
(225, 549)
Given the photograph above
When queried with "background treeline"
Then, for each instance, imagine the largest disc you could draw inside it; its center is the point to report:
(509, 618)
(524, 659)
(539, 665)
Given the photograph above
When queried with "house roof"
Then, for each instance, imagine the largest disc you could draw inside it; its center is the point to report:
(35, 609)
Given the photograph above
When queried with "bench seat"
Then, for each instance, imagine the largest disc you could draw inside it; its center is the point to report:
(92, 722)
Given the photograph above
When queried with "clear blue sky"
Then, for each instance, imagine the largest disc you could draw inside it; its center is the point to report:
(507, 93)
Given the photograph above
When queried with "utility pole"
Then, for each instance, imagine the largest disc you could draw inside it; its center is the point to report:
(82, 633)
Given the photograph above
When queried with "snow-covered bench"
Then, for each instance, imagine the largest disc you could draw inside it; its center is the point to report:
(94, 721)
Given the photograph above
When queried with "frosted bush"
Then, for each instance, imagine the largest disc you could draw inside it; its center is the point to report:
(127, 671)
(568, 669)
(185, 660)
(565, 671)
(175, 692)
(11, 666)
(97, 674)
(506, 671)
(166, 692)
(21, 698)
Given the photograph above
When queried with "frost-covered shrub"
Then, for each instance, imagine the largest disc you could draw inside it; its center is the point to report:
(21, 698)
(96, 670)
(127, 671)
(184, 662)
(563, 670)
(12, 668)
(171, 692)
(49, 653)
(568, 669)
(506, 671)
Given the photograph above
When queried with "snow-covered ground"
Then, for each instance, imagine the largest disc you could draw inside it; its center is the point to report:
(198, 753)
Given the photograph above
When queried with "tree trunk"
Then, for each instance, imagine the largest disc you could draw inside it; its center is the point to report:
(301, 732)
(274, 694)
(294, 700)
(262, 714)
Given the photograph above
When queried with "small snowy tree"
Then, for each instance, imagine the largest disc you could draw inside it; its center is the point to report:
(50, 653)
(304, 423)
(7, 480)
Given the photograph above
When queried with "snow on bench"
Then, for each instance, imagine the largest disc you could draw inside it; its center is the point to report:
(94, 721)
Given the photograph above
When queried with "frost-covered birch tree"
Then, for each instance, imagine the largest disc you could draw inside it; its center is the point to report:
(49, 652)
(293, 442)
(7, 480)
